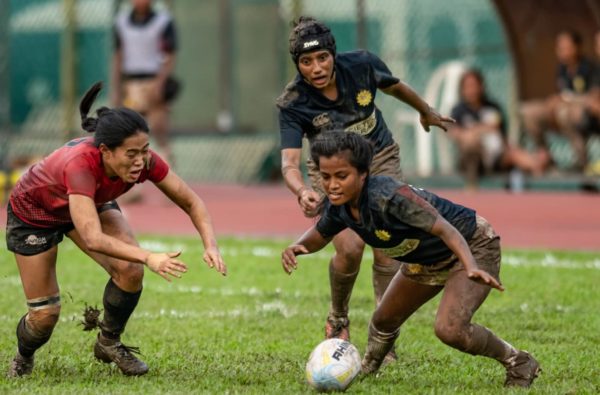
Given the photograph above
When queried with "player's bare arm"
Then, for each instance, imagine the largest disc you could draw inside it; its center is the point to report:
(87, 224)
(182, 195)
(429, 116)
(292, 175)
(458, 245)
(311, 241)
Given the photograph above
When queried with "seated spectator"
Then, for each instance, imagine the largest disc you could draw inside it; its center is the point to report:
(564, 111)
(591, 122)
(480, 134)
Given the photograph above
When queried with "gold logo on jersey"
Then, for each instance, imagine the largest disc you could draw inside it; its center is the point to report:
(383, 234)
(407, 246)
(321, 120)
(364, 97)
(579, 84)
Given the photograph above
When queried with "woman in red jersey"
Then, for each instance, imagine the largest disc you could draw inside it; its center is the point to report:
(72, 192)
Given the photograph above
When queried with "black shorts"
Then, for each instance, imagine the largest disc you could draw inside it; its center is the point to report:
(25, 239)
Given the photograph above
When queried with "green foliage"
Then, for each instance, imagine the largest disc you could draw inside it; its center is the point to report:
(252, 331)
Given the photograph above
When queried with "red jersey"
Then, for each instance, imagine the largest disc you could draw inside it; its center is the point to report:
(41, 197)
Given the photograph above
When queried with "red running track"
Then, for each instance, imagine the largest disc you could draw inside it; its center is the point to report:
(529, 220)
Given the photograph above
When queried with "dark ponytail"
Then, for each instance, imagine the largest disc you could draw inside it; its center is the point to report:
(111, 126)
(87, 123)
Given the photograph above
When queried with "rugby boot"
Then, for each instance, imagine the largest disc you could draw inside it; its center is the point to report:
(391, 356)
(20, 366)
(109, 350)
(369, 364)
(337, 327)
(521, 370)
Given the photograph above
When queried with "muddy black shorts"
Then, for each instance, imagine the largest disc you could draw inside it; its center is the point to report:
(485, 247)
(25, 239)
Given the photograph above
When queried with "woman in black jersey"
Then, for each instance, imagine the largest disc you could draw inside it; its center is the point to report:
(445, 246)
(336, 91)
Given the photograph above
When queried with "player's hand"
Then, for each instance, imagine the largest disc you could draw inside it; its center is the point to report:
(166, 264)
(433, 118)
(483, 277)
(212, 256)
(309, 202)
(288, 257)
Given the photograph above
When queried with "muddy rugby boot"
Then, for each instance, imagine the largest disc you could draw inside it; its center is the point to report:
(20, 366)
(521, 370)
(109, 350)
(337, 327)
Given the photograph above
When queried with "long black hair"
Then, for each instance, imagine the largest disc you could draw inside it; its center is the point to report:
(111, 125)
(357, 149)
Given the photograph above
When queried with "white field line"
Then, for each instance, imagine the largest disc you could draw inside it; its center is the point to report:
(549, 260)
(516, 260)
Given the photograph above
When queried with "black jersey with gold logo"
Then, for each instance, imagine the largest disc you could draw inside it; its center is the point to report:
(304, 111)
(397, 218)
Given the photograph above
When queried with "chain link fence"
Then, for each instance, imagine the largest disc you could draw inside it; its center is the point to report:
(233, 63)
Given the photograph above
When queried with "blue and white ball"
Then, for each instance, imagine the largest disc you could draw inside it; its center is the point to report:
(333, 365)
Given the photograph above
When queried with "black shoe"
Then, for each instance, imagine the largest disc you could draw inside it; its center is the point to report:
(20, 366)
(521, 370)
(109, 350)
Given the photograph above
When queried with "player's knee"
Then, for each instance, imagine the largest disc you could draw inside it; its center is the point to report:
(350, 252)
(131, 273)
(451, 333)
(42, 321)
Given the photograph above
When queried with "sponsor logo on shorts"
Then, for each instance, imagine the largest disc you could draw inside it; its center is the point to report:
(33, 240)
(310, 44)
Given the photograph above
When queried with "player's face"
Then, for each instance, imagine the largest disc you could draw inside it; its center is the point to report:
(127, 160)
(317, 68)
(566, 50)
(341, 181)
(141, 5)
(472, 91)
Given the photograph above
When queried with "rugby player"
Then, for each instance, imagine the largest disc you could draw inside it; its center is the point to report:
(444, 246)
(72, 192)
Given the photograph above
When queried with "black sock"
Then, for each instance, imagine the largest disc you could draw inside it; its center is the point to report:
(27, 341)
(118, 306)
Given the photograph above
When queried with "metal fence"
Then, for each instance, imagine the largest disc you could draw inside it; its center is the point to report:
(233, 63)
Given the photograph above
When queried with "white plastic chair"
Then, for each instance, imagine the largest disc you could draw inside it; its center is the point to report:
(441, 92)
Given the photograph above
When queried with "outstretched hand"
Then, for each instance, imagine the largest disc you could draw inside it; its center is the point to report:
(212, 256)
(288, 257)
(433, 118)
(165, 264)
(483, 277)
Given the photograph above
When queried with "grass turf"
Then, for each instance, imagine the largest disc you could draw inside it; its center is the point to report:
(252, 331)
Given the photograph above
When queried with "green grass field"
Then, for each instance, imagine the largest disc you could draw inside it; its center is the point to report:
(252, 331)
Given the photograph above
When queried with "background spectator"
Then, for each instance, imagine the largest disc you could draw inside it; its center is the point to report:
(480, 134)
(144, 57)
(563, 111)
